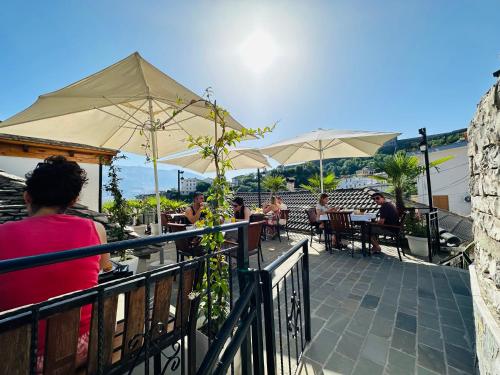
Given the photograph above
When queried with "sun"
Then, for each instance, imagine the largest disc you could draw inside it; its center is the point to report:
(258, 51)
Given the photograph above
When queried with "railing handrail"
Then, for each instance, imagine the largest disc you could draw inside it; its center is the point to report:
(17, 264)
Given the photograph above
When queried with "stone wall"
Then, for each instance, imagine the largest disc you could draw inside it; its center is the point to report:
(484, 155)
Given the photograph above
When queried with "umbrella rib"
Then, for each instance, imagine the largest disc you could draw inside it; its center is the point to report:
(123, 126)
(124, 111)
(175, 121)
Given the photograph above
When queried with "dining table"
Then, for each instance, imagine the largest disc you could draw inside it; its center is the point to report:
(361, 219)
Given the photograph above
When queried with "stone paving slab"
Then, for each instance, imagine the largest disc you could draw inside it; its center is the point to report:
(376, 315)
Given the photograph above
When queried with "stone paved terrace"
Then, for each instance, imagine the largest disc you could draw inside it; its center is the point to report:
(377, 315)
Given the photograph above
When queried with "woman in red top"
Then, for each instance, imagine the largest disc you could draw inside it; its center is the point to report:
(51, 187)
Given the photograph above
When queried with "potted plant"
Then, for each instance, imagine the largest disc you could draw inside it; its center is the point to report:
(119, 216)
(416, 234)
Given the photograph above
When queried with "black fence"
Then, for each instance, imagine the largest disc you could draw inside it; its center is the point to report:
(158, 319)
(287, 313)
(433, 235)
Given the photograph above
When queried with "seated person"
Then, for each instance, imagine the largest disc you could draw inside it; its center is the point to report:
(241, 212)
(51, 187)
(272, 209)
(322, 208)
(194, 212)
(388, 215)
(282, 207)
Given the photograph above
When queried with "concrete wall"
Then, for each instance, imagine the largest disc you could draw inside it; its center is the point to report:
(452, 179)
(90, 193)
(484, 160)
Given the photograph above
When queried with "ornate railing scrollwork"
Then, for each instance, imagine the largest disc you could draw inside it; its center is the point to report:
(293, 319)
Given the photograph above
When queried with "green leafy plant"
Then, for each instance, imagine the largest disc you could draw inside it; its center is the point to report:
(414, 225)
(402, 171)
(330, 183)
(118, 210)
(218, 209)
(274, 183)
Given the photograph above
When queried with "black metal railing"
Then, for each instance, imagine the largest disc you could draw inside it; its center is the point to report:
(154, 319)
(159, 315)
(433, 236)
(287, 312)
(243, 323)
(460, 260)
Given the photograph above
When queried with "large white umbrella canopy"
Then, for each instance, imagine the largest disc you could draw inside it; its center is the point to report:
(243, 158)
(327, 144)
(126, 106)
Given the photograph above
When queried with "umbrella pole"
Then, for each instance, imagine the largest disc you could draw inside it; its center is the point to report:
(154, 146)
(321, 165)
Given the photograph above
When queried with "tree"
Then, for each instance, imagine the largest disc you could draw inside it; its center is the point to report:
(274, 183)
(330, 183)
(402, 171)
(202, 186)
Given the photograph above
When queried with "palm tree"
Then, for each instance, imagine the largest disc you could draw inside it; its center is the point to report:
(274, 183)
(330, 183)
(402, 171)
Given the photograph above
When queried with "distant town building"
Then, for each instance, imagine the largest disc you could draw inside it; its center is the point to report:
(188, 185)
(234, 181)
(290, 183)
(362, 181)
(450, 182)
(365, 171)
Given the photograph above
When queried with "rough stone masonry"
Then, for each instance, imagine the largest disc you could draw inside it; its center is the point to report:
(484, 160)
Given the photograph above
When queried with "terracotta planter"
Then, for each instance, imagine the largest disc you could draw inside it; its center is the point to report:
(418, 246)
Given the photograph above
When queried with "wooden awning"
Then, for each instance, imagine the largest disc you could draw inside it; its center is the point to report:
(28, 147)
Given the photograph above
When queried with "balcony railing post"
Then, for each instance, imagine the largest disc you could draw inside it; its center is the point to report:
(307, 296)
(243, 263)
(267, 297)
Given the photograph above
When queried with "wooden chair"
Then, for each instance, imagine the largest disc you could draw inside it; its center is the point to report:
(392, 234)
(122, 342)
(185, 247)
(313, 223)
(284, 216)
(254, 242)
(340, 225)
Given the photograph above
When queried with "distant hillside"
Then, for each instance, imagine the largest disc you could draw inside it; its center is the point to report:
(349, 166)
(140, 180)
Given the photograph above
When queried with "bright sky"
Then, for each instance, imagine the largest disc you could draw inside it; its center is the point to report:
(362, 65)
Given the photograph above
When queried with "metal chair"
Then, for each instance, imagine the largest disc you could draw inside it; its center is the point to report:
(254, 242)
(313, 223)
(185, 247)
(392, 232)
(341, 226)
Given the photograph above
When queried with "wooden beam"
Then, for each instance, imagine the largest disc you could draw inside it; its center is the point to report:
(41, 151)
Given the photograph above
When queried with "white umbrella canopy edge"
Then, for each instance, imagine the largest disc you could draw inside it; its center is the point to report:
(326, 144)
(242, 158)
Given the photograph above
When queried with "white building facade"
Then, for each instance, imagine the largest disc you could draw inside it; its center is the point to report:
(450, 182)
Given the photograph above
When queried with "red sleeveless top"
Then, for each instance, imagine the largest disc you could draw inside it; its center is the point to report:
(47, 234)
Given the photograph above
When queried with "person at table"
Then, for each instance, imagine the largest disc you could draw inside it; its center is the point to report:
(52, 187)
(241, 212)
(282, 207)
(388, 215)
(322, 208)
(272, 211)
(195, 211)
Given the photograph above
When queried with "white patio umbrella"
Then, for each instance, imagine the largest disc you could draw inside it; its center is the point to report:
(127, 106)
(327, 144)
(242, 158)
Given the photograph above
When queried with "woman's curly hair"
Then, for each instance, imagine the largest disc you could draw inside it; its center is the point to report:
(55, 182)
